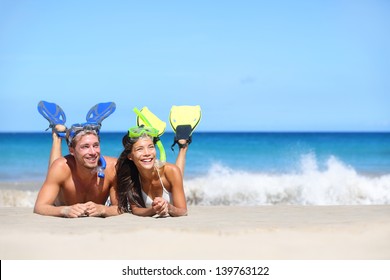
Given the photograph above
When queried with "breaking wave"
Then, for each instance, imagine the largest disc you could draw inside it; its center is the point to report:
(334, 183)
(312, 183)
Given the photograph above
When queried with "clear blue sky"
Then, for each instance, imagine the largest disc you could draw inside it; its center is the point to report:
(251, 65)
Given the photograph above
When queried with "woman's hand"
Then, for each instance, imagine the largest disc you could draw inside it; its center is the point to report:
(160, 206)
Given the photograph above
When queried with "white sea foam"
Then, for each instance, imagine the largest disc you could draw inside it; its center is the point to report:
(17, 198)
(334, 184)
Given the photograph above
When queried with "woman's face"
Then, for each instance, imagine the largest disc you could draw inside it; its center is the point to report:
(143, 153)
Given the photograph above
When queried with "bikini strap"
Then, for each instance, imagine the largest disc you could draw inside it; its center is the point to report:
(159, 177)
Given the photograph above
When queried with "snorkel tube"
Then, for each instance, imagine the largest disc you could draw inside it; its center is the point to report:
(163, 157)
(102, 167)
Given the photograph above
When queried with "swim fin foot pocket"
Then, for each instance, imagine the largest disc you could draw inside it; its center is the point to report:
(184, 120)
(54, 114)
(183, 132)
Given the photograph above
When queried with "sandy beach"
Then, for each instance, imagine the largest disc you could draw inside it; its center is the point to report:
(213, 232)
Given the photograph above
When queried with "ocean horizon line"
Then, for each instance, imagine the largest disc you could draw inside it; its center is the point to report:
(230, 131)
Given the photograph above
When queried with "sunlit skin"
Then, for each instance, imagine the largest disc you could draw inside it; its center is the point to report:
(87, 151)
(72, 188)
(143, 155)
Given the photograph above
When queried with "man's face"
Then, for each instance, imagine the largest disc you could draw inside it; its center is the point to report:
(87, 151)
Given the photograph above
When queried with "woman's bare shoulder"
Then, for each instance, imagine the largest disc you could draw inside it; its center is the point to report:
(171, 169)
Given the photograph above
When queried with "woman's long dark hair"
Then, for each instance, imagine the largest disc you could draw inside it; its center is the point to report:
(128, 184)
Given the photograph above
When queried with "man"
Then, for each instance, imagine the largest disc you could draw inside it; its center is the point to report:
(72, 187)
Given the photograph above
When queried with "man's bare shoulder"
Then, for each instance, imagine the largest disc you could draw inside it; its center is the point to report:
(63, 163)
(60, 169)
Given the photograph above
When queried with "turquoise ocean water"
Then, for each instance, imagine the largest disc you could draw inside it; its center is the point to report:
(236, 168)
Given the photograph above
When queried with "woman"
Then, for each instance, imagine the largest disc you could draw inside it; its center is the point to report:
(145, 186)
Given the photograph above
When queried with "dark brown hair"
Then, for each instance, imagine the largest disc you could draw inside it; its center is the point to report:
(128, 183)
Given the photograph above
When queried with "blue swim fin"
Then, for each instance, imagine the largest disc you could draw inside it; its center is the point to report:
(100, 111)
(53, 113)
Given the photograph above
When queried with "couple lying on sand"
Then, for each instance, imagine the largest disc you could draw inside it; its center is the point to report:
(86, 183)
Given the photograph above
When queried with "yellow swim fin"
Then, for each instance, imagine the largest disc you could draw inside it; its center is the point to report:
(184, 120)
(152, 120)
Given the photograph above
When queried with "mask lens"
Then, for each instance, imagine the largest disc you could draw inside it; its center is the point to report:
(137, 131)
(76, 128)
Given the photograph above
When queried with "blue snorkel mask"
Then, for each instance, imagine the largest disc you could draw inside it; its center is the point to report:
(75, 129)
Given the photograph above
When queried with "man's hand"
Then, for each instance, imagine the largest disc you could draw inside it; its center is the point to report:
(74, 211)
(94, 210)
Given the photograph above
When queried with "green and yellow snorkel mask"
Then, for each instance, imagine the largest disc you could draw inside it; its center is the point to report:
(138, 131)
(155, 126)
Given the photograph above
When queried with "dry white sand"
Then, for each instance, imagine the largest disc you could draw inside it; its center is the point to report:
(215, 232)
